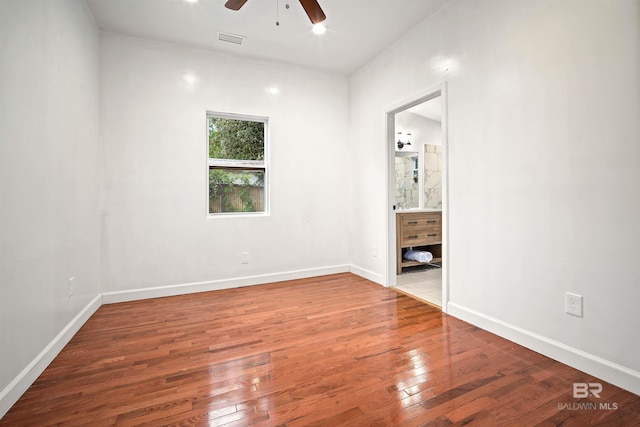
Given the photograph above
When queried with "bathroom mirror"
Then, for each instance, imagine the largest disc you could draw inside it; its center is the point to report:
(407, 180)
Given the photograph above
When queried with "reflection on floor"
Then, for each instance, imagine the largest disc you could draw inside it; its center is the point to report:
(423, 282)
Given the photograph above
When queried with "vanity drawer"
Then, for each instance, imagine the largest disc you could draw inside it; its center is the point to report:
(421, 221)
(421, 237)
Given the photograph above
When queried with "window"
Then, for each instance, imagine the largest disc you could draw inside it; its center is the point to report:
(237, 165)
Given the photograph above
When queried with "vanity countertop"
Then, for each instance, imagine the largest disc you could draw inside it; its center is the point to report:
(416, 210)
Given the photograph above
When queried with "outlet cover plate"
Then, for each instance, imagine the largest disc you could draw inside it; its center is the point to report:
(573, 304)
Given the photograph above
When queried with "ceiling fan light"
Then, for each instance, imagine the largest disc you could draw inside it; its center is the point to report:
(319, 29)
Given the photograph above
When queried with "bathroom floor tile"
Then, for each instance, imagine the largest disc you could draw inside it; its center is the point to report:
(425, 284)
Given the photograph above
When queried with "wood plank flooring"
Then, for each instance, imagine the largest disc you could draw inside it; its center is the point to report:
(328, 351)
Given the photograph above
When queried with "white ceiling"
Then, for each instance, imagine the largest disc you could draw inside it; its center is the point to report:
(357, 30)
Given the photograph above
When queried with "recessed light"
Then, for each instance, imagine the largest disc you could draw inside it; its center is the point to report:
(319, 29)
(189, 78)
(191, 1)
(273, 90)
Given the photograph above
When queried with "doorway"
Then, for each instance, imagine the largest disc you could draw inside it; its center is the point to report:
(417, 190)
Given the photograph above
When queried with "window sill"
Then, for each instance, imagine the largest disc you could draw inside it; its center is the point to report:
(238, 215)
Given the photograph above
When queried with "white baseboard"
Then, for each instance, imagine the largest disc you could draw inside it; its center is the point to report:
(216, 285)
(613, 373)
(12, 392)
(367, 274)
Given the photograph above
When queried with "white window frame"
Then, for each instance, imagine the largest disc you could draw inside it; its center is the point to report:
(262, 165)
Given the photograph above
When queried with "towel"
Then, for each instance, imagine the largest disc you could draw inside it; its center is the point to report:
(420, 256)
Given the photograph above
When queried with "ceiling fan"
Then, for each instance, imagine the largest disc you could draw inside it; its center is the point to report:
(313, 9)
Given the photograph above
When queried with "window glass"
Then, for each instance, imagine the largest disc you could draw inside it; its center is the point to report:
(237, 168)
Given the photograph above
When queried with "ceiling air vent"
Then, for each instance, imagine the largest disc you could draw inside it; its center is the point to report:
(230, 38)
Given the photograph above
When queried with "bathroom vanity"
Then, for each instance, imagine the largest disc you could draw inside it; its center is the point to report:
(420, 230)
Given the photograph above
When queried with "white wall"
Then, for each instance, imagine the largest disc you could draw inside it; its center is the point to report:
(154, 132)
(49, 177)
(543, 111)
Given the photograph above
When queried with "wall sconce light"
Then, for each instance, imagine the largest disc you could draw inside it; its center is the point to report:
(400, 143)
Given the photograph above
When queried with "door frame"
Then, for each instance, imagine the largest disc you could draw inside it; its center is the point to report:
(418, 98)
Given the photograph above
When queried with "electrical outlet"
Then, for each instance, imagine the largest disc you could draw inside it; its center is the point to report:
(244, 257)
(71, 286)
(374, 251)
(573, 304)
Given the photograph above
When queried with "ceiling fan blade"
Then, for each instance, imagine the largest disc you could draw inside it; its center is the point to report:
(234, 4)
(314, 11)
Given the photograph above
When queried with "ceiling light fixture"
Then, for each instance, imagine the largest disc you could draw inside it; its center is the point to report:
(319, 29)
(189, 79)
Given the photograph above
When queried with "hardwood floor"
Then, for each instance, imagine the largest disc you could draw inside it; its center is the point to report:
(328, 351)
